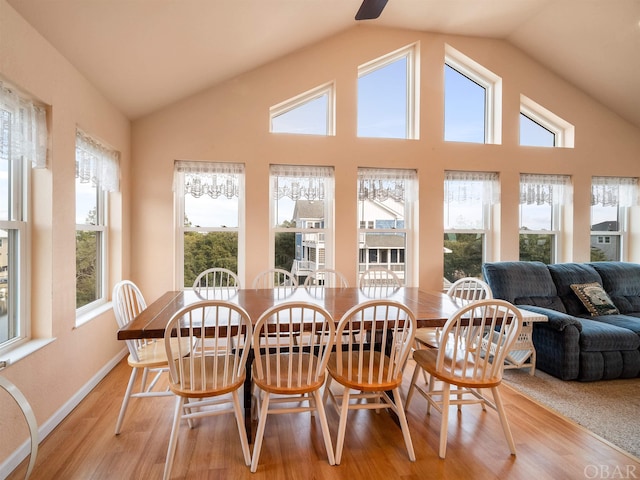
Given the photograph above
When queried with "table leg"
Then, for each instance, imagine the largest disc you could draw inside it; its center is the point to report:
(248, 397)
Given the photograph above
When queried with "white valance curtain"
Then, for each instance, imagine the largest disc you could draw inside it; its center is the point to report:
(300, 182)
(380, 184)
(209, 178)
(614, 191)
(543, 189)
(471, 188)
(97, 163)
(23, 128)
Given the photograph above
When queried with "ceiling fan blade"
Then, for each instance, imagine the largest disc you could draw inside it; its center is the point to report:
(370, 9)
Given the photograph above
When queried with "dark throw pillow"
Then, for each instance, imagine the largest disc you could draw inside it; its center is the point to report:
(595, 299)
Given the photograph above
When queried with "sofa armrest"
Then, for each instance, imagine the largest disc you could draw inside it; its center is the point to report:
(557, 320)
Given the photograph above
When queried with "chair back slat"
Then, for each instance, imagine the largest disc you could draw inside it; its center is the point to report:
(209, 342)
(318, 280)
(216, 284)
(291, 343)
(478, 337)
(469, 289)
(128, 302)
(379, 282)
(373, 341)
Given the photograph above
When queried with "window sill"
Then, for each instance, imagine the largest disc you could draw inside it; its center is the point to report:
(23, 350)
(86, 317)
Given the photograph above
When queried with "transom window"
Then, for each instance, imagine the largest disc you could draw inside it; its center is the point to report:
(386, 201)
(209, 211)
(302, 218)
(542, 199)
(469, 199)
(611, 198)
(387, 96)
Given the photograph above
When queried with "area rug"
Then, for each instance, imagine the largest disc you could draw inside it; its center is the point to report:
(610, 408)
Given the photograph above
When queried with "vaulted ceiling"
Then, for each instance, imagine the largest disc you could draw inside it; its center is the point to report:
(146, 54)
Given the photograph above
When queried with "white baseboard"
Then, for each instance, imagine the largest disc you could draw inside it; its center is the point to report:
(10, 464)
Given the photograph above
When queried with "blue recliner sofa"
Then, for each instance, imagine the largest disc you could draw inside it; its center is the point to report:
(576, 344)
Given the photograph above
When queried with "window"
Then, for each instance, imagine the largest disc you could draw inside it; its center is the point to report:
(387, 95)
(469, 198)
(311, 113)
(386, 201)
(96, 174)
(542, 198)
(541, 128)
(302, 218)
(611, 198)
(472, 100)
(23, 140)
(209, 213)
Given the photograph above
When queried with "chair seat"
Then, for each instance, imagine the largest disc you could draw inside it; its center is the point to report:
(428, 336)
(278, 381)
(154, 354)
(427, 358)
(349, 377)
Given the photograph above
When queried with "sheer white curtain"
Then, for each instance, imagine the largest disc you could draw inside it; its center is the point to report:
(471, 188)
(543, 189)
(97, 163)
(23, 128)
(380, 184)
(209, 178)
(614, 191)
(300, 182)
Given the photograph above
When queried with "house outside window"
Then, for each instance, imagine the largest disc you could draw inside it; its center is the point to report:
(209, 199)
(386, 203)
(542, 200)
(96, 174)
(23, 144)
(469, 199)
(611, 198)
(302, 218)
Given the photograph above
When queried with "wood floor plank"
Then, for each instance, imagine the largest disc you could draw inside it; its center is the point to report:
(84, 447)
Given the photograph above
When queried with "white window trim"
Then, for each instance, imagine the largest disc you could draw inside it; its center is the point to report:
(564, 132)
(86, 312)
(411, 228)
(561, 195)
(487, 217)
(412, 54)
(329, 212)
(308, 96)
(180, 229)
(492, 84)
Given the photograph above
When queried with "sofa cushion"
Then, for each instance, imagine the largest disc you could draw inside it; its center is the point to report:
(566, 274)
(599, 336)
(630, 322)
(594, 298)
(621, 280)
(523, 283)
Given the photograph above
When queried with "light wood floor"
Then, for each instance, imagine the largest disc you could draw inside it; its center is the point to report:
(84, 447)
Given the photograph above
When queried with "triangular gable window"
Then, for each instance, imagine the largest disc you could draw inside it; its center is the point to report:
(310, 113)
(540, 127)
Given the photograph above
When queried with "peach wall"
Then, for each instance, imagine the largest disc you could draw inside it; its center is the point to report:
(52, 375)
(229, 122)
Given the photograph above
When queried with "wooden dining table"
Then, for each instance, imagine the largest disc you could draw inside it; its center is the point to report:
(431, 309)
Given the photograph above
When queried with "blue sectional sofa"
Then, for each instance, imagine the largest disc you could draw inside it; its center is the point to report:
(576, 344)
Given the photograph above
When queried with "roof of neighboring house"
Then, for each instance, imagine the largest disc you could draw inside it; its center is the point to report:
(610, 226)
(377, 240)
(309, 209)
